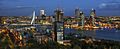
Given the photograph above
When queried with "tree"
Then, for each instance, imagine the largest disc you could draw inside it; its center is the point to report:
(76, 47)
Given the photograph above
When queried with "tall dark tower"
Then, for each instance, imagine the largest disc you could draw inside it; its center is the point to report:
(59, 31)
(92, 17)
(59, 26)
(77, 13)
(59, 15)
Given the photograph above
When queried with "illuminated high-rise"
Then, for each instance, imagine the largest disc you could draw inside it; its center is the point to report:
(59, 26)
(77, 13)
(82, 19)
(58, 15)
(42, 14)
(59, 31)
(92, 17)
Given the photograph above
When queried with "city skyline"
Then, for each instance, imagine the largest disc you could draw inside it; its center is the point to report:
(17, 7)
(59, 24)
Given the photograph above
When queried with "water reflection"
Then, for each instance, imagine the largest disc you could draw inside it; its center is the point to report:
(109, 34)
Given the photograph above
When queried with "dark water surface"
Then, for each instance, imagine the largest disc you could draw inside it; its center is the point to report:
(109, 34)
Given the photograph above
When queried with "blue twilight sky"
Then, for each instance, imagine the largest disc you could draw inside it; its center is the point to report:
(25, 7)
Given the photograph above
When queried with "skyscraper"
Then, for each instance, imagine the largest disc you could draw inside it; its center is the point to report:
(59, 31)
(42, 14)
(59, 26)
(92, 17)
(82, 19)
(58, 14)
(77, 12)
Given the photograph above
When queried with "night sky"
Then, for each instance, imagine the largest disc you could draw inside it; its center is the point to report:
(26, 7)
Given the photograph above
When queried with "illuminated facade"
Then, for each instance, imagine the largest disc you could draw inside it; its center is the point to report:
(82, 19)
(92, 17)
(78, 16)
(58, 15)
(77, 13)
(59, 31)
(58, 26)
(42, 14)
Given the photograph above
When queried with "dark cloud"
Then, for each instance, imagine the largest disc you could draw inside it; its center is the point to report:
(110, 6)
(15, 8)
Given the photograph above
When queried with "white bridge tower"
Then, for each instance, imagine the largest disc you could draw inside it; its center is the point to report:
(33, 17)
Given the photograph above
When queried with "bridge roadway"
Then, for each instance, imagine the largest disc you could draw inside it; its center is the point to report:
(27, 26)
(24, 24)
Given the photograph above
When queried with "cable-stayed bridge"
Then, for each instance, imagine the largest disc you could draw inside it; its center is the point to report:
(32, 21)
(27, 25)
